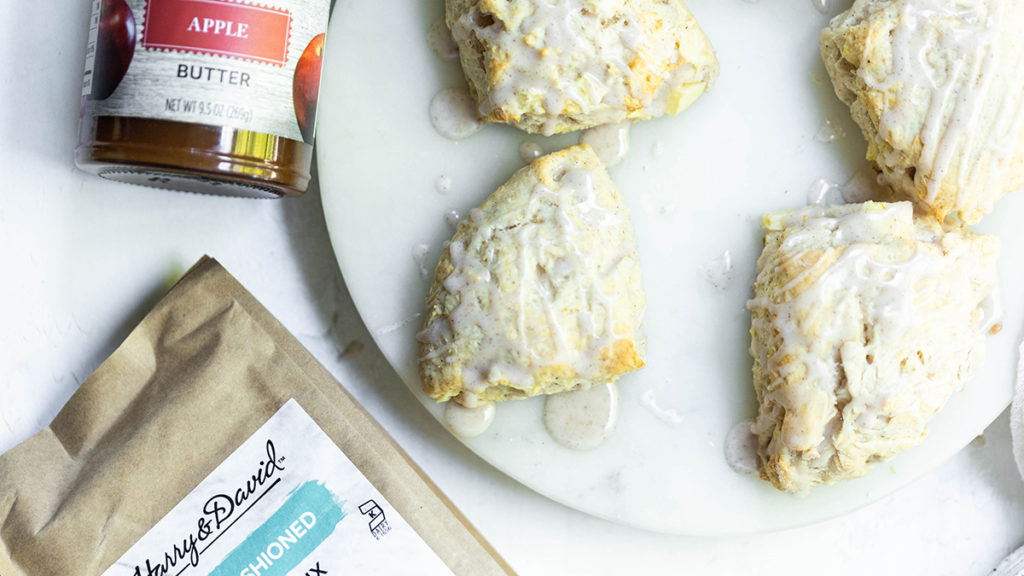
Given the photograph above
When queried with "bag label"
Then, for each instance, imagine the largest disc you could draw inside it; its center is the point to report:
(287, 502)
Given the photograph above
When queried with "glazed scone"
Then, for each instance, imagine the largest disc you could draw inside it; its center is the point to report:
(539, 290)
(937, 88)
(864, 321)
(557, 66)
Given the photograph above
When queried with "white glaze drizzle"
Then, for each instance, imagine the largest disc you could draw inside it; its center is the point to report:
(823, 193)
(575, 55)
(609, 141)
(829, 131)
(992, 312)
(468, 422)
(582, 419)
(718, 271)
(547, 257)
(419, 256)
(862, 305)
(443, 184)
(452, 218)
(947, 61)
(529, 151)
(824, 6)
(864, 185)
(395, 326)
(453, 114)
(741, 449)
(441, 42)
(666, 415)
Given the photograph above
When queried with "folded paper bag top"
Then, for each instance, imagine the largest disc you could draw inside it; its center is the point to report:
(212, 442)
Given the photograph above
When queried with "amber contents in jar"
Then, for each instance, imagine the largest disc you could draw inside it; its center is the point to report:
(193, 157)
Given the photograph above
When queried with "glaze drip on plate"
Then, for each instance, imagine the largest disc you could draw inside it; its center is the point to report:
(529, 151)
(582, 419)
(468, 422)
(453, 114)
(741, 449)
(609, 141)
(441, 42)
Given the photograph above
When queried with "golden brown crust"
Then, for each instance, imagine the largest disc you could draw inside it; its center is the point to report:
(958, 172)
(520, 310)
(522, 72)
(864, 321)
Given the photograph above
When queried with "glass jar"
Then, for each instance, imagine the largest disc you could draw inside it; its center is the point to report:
(212, 96)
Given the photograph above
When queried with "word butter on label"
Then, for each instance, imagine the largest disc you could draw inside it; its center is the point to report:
(287, 502)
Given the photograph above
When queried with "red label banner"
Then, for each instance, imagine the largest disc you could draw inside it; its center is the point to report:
(221, 27)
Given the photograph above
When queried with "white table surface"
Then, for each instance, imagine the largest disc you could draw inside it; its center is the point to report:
(83, 259)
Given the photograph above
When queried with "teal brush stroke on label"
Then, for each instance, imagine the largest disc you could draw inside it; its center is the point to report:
(301, 524)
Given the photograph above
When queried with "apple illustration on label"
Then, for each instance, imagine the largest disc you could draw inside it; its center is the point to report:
(115, 46)
(306, 86)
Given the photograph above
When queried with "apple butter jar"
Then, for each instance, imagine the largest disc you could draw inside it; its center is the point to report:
(213, 96)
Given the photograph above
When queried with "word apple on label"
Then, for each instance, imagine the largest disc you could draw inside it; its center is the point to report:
(219, 27)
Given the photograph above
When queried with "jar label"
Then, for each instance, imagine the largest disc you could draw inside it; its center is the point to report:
(235, 63)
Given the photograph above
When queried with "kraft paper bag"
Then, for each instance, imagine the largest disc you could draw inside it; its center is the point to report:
(200, 374)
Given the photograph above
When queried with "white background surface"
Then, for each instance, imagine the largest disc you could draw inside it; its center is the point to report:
(83, 259)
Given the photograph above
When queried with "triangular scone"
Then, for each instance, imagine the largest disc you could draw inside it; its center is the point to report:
(539, 290)
(552, 67)
(937, 88)
(864, 321)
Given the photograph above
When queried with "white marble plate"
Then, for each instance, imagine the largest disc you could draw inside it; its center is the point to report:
(697, 185)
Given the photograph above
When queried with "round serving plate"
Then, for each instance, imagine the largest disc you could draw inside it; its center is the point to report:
(697, 185)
